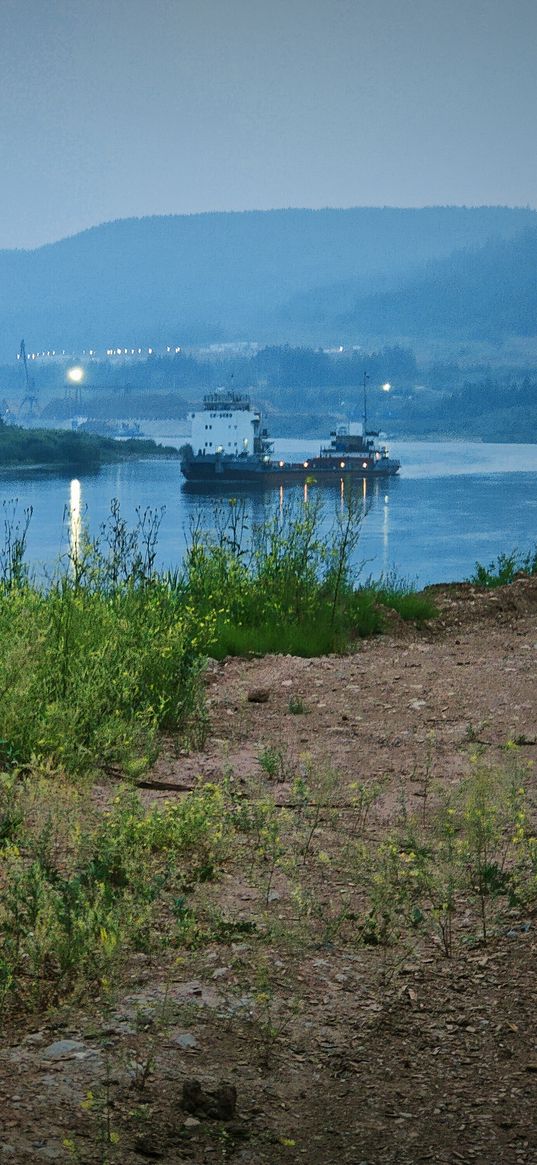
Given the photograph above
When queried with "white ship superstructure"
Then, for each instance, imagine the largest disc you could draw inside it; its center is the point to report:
(226, 425)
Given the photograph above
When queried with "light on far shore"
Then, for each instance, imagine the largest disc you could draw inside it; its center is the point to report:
(76, 374)
(386, 387)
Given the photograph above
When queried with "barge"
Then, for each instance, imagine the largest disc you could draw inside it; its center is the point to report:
(228, 444)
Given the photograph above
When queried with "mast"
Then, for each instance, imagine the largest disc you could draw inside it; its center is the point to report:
(366, 378)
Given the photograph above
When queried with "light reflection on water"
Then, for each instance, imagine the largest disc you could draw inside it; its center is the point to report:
(75, 523)
(452, 504)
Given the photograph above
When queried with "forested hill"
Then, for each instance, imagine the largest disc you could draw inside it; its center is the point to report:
(223, 276)
(484, 294)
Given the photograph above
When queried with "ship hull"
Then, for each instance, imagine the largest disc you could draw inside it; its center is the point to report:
(223, 471)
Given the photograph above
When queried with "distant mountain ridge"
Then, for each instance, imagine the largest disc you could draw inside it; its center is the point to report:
(200, 278)
(480, 294)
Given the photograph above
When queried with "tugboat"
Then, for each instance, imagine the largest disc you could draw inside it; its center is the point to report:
(228, 444)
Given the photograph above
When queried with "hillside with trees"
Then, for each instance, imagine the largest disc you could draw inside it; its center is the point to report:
(484, 293)
(207, 277)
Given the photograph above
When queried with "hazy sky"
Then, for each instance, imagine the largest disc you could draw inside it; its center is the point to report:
(111, 108)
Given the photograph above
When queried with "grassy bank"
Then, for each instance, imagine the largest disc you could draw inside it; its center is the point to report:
(95, 665)
(505, 569)
(349, 876)
(83, 889)
(57, 448)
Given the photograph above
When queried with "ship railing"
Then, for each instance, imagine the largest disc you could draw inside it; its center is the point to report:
(231, 400)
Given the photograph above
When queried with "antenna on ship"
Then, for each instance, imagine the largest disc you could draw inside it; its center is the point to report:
(366, 378)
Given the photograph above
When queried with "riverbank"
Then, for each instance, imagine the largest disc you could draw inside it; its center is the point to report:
(313, 980)
(55, 449)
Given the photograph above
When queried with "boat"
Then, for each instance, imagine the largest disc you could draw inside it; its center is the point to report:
(228, 444)
(119, 430)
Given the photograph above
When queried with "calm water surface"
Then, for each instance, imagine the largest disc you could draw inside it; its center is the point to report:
(453, 503)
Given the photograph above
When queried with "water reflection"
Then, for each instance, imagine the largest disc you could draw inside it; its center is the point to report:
(432, 528)
(385, 536)
(75, 523)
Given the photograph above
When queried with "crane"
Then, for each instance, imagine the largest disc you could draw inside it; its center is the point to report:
(30, 399)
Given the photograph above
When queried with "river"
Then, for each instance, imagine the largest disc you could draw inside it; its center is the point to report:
(453, 503)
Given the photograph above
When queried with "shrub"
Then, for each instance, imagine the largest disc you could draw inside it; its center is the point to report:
(80, 890)
(504, 569)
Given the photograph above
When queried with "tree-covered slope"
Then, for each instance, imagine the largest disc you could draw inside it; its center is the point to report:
(203, 277)
(486, 293)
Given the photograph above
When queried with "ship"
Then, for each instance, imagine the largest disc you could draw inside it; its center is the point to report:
(229, 445)
(119, 430)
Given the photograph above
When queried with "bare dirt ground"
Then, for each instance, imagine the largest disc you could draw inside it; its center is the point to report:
(335, 1057)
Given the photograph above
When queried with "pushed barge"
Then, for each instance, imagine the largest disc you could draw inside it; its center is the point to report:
(228, 444)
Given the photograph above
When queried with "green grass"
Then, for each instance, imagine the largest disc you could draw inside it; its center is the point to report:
(95, 666)
(395, 594)
(307, 639)
(89, 678)
(56, 447)
(504, 569)
(285, 587)
(410, 606)
(83, 888)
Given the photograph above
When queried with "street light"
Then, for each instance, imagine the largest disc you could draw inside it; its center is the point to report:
(76, 374)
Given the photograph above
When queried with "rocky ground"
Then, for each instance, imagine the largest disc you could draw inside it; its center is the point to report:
(315, 1051)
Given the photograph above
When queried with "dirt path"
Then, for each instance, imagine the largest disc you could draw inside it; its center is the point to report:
(438, 1064)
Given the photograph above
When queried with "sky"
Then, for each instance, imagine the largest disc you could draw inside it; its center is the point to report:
(114, 108)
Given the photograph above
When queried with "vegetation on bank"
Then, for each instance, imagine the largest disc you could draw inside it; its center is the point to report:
(107, 656)
(84, 888)
(505, 569)
(94, 665)
(97, 664)
(55, 447)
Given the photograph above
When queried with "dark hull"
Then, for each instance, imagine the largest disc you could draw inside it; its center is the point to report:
(258, 474)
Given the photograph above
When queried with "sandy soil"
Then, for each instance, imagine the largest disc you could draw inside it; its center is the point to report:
(439, 1064)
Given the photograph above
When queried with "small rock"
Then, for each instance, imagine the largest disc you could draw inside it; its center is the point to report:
(185, 1041)
(34, 1038)
(146, 1148)
(218, 1105)
(66, 1049)
(258, 695)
